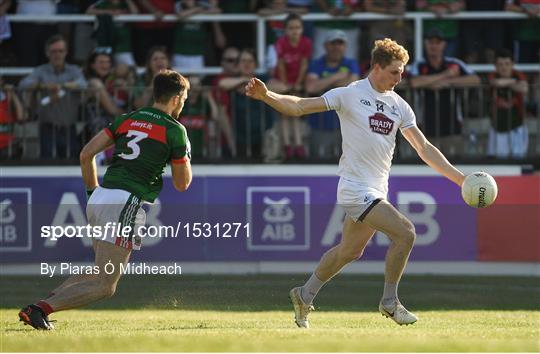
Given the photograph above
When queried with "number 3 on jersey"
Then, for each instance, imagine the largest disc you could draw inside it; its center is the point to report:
(133, 144)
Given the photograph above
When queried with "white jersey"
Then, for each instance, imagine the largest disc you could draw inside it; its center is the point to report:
(369, 122)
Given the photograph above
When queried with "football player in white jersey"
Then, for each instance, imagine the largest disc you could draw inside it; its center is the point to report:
(370, 114)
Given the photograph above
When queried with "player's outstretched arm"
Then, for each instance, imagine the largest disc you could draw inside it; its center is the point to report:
(87, 158)
(432, 156)
(287, 105)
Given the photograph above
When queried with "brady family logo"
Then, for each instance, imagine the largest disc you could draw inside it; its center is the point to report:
(381, 124)
(279, 218)
(15, 219)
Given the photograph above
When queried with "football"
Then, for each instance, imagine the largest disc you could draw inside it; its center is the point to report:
(479, 190)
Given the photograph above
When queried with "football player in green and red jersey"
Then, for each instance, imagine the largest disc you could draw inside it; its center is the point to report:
(144, 142)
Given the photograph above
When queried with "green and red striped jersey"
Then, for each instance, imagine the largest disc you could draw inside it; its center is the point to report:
(144, 142)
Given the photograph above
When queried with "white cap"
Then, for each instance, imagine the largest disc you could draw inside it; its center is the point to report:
(336, 35)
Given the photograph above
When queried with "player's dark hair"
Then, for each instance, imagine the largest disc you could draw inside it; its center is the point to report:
(53, 39)
(504, 53)
(292, 17)
(167, 84)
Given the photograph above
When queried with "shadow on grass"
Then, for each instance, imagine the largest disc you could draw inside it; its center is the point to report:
(269, 292)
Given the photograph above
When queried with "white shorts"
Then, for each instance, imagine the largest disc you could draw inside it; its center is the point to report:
(357, 199)
(510, 144)
(118, 208)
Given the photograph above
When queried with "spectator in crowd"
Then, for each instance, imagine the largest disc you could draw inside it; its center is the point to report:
(72, 31)
(7, 52)
(331, 70)
(101, 106)
(119, 85)
(108, 96)
(275, 29)
(480, 46)
(439, 76)
(526, 34)
(250, 118)
(191, 37)
(5, 28)
(449, 28)
(78, 35)
(11, 111)
(29, 37)
(112, 34)
(157, 60)
(307, 6)
(158, 32)
(397, 29)
(59, 85)
(343, 9)
(229, 65)
(534, 97)
(294, 53)
(198, 115)
(239, 34)
(508, 136)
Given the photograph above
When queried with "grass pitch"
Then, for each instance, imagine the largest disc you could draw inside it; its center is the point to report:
(252, 313)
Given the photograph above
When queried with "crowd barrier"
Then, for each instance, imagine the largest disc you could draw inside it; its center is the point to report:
(74, 118)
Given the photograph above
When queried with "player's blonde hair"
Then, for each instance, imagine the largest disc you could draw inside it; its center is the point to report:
(386, 51)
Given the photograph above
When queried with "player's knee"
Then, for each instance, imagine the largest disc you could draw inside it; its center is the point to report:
(348, 256)
(409, 234)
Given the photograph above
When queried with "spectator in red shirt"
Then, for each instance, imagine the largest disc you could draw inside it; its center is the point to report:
(11, 111)
(294, 52)
(276, 28)
(229, 64)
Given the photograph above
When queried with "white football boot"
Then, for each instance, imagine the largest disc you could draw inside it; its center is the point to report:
(399, 314)
(301, 309)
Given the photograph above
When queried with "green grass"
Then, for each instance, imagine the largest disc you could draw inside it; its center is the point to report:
(252, 313)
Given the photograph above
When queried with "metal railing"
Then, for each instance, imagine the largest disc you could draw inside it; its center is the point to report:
(416, 17)
(255, 132)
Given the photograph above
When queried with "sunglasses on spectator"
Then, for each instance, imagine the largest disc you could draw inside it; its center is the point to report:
(103, 50)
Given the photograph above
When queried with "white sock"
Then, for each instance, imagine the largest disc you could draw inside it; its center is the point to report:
(311, 288)
(390, 293)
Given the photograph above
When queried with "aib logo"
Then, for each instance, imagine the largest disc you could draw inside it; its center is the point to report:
(278, 218)
(15, 219)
